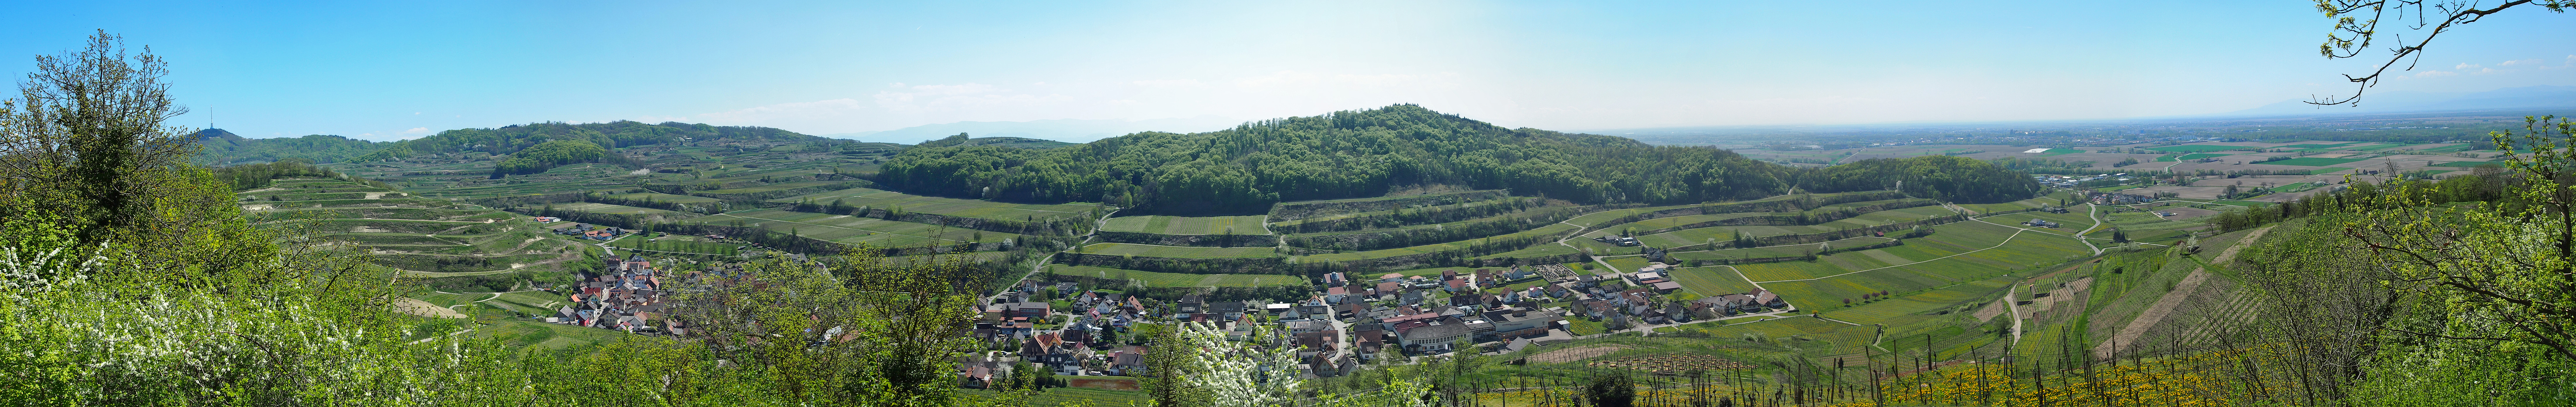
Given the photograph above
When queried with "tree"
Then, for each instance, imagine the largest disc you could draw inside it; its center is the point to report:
(2355, 33)
(2513, 266)
(85, 160)
(1611, 388)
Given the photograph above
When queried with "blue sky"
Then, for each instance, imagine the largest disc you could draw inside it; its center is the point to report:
(401, 70)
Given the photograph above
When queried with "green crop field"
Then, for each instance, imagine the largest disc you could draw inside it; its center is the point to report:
(601, 208)
(2058, 151)
(1153, 279)
(1177, 225)
(2464, 164)
(1146, 250)
(2197, 148)
(661, 197)
(1711, 280)
(2312, 161)
(851, 229)
(968, 208)
(2196, 156)
(1549, 230)
(2295, 187)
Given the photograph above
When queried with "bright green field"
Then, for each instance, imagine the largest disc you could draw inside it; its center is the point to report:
(770, 187)
(851, 229)
(882, 199)
(594, 207)
(2196, 148)
(2057, 151)
(1154, 279)
(1902, 309)
(2312, 161)
(1177, 225)
(1146, 250)
(1711, 280)
(661, 197)
(1549, 230)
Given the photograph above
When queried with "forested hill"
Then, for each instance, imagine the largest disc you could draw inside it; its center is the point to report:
(1366, 153)
(224, 148)
(511, 139)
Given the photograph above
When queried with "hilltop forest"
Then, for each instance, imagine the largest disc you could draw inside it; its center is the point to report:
(1367, 153)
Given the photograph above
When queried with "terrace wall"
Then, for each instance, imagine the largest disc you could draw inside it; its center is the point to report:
(1240, 265)
(1286, 211)
(754, 197)
(1776, 240)
(1274, 293)
(1188, 240)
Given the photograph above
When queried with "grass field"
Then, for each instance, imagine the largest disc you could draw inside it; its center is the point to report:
(661, 197)
(2196, 148)
(1711, 280)
(2295, 187)
(1177, 225)
(2312, 161)
(1549, 230)
(2058, 151)
(851, 229)
(1146, 250)
(882, 199)
(601, 208)
(1153, 279)
(2196, 156)
(2465, 164)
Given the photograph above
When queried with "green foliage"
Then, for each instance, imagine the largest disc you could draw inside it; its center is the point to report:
(222, 148)
(539, 158)
(1945, 178)
(1340, 155)
(511, 139)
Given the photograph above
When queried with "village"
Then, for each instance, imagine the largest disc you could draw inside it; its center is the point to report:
(1347, 324)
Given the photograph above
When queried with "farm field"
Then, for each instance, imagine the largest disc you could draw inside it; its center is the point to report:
(1547, 231)
(2196, 148)
(2312, 161)
(1145, 250)
(1961, 255)
(2465, 164)
(1177, 225)
(1905, 308)
(966, 208)
(851, 229)
(1711, 280)
(1153, 279)
(661, 197)
(601, 208)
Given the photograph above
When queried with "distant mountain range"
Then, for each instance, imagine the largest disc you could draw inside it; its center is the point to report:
(2410, 101)
(1065, 130)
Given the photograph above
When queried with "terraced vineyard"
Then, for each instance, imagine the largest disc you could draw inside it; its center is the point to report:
(848, 229)
(965, 208)
(1176, 225)
(423, 236)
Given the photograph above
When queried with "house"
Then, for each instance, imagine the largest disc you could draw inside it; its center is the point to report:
(1191, 304)
(1127, 360)
(1664, 287)
(1767, 299)
(1031, 310)
(1334, 279)
(1432, 338)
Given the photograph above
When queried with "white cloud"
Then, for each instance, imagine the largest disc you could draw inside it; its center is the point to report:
(2465, 66)
(417, 130)
(2534, 61)
(2429, 74)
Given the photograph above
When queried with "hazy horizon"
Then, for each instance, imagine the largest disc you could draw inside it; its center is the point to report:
(384, 72)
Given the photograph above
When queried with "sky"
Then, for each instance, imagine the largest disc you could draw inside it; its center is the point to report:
(394, 70)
